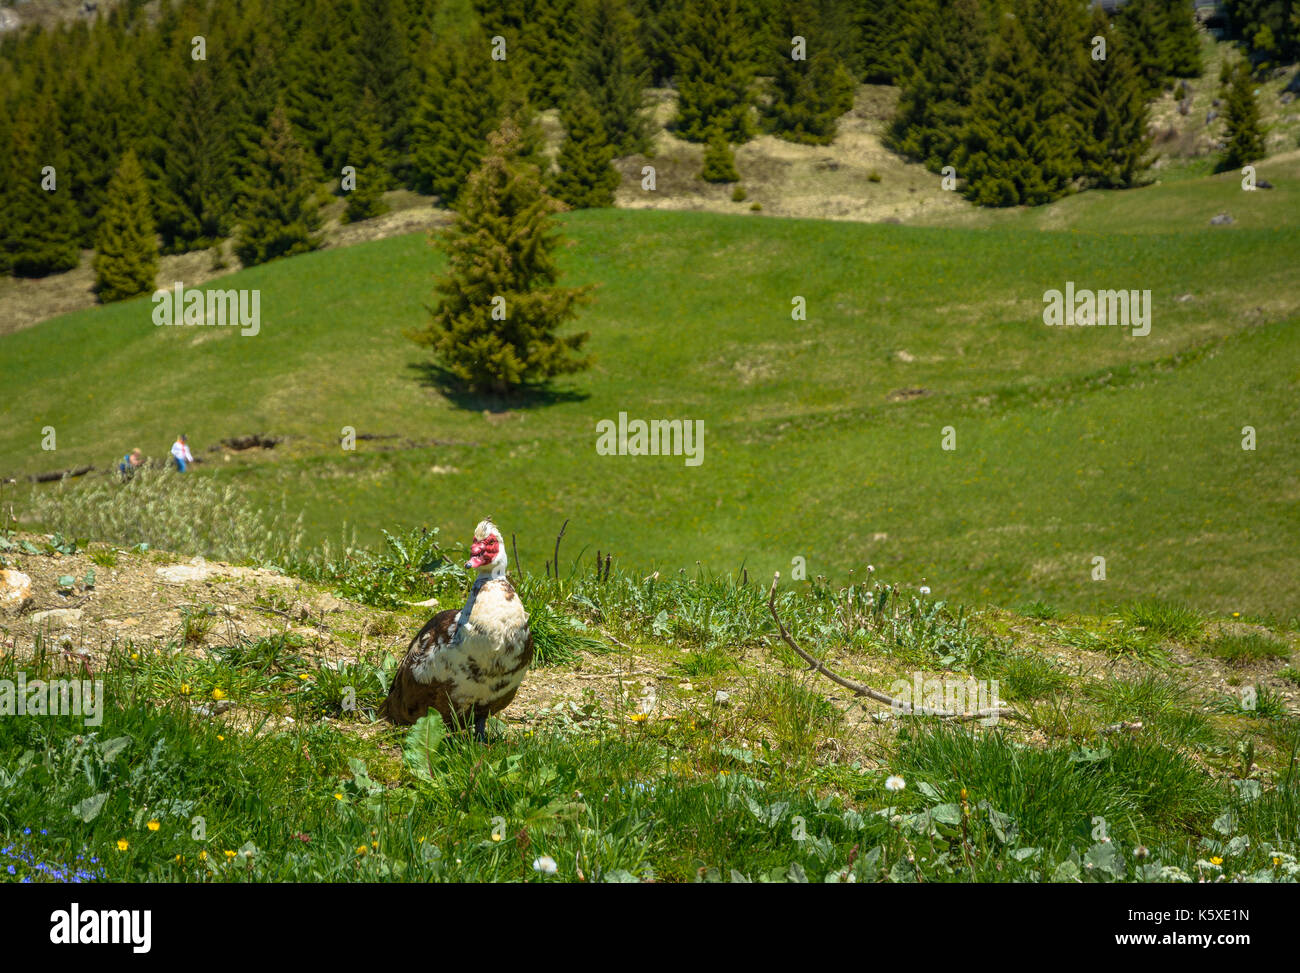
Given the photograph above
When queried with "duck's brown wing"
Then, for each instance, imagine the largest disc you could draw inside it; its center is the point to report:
(408, 699)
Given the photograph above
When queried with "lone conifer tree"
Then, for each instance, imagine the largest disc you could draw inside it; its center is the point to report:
(1113, 113)
(495, 327)
(280, 204)
(1243, 136)
(586, 177)
(126, 248)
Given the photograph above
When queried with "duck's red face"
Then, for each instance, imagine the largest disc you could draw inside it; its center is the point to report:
(484, 552)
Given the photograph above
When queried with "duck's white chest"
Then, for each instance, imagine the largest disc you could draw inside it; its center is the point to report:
(483, 662)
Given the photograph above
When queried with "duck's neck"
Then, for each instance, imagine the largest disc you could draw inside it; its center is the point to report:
(496, 572)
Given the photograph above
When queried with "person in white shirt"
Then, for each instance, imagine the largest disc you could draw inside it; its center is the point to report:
(181, 453)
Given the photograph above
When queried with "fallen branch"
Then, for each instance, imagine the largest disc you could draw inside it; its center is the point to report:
(60, 474)
(900, 706)
(621, 645)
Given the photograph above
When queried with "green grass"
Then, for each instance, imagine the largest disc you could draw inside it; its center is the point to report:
(255, 760)
(1071, 443)
(1246, 648)
(1164, 619)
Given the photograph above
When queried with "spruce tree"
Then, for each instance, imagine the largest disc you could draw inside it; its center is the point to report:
(586, 176)
(546, 39)
(41, 225)
(610, 66)
(659, 23)
(1243, 135)
(126, 248)
(496, 325)
(714, 70)
(461, 103)
(319, 107)
(197, 178)
(719, 163)
(539, 43)
(879, 38)
(1142, 23)
(1058, 31)
(279, 207)
(1182, 40)
(1015, 147)
(369, 161)
(92, 108)
(530, 146)
(944, 60)
(809, 93)
(383, 66)
(1114, 148)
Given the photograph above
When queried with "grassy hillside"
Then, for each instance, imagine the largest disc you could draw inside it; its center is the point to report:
(822, 437)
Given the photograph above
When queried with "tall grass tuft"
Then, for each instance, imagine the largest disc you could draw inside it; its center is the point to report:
(1168, 619)
(183, 513)
(1243, 649)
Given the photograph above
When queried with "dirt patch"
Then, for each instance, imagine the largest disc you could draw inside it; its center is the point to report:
(854, 178)
(256, 441)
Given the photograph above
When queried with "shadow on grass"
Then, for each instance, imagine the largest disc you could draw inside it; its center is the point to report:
(434, 376)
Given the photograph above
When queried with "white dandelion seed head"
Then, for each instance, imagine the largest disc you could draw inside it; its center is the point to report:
(925, 589)
(546, 865)
(894, 783)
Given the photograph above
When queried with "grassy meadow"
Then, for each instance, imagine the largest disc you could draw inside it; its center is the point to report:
(822, 436)
(667, 731)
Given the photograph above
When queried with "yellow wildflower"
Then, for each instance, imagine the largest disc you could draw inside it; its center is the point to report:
(154, 825)
(123, 844)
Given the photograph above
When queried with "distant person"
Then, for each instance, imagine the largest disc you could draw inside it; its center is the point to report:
(131, 462)
(181, 453)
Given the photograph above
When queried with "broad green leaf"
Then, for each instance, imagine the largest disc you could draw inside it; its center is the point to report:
(89, 809)
(1067, 871)
(422, 743)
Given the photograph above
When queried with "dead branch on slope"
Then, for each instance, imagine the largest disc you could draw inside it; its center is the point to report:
(900, 706)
